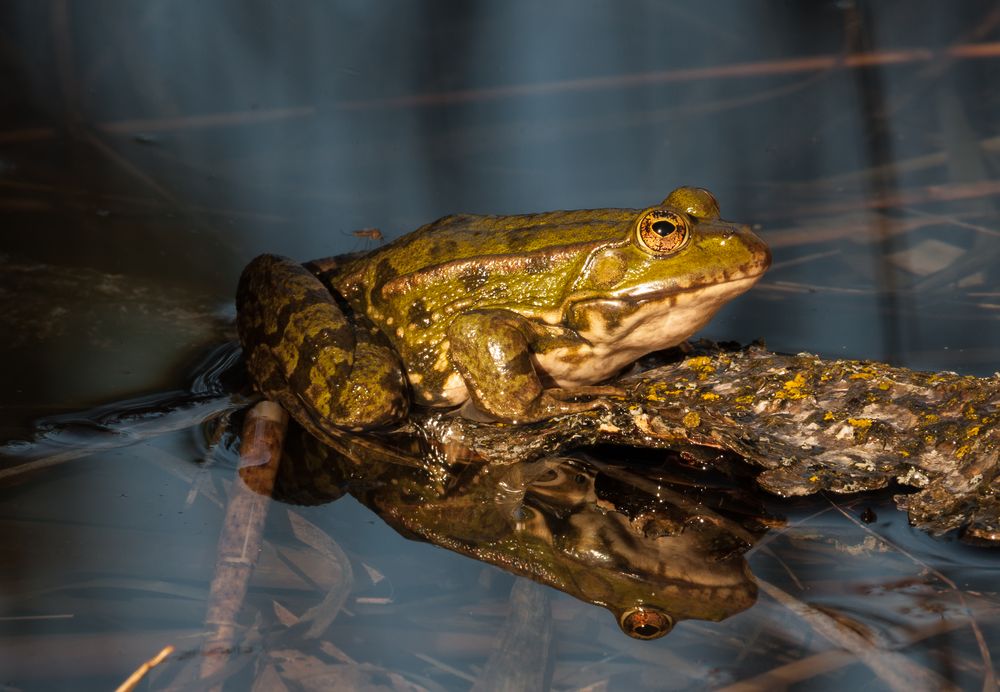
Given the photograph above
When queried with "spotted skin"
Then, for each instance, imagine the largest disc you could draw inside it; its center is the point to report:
(303, 351)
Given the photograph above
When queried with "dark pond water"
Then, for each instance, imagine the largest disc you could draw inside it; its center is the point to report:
(149, 150)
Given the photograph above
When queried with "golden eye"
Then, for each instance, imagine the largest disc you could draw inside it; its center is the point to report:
(645, 623)
(663, 231)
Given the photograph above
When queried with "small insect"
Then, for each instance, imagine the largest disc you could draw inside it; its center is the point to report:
(369, 235)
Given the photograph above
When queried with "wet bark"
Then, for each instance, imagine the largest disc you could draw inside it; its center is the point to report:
(809, 424)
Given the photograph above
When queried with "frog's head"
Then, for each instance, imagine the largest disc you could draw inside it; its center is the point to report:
(678, 263)
(675, 560)
(651, 581)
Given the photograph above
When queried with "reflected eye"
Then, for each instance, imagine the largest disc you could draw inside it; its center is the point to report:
(645, 623)
(550, 478)
(662, 231)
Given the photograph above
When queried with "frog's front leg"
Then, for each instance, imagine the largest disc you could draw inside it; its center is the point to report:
(491, 349)
(329, 368)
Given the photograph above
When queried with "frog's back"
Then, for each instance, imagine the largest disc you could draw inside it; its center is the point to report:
(462, 238)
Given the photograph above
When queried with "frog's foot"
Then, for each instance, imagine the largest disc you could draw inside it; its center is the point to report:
(600, 390)
(559, 402)
(551, 403)
(577, 399)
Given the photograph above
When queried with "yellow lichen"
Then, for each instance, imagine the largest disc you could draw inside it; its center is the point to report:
(709, 396)
(865, 374)
(829, 416)
(691, 419)
(660, 392)
(792, 389)
(861, 427)
(962, 451)
(745, 399)
(703, 364)
(700, 363)
(973, 431)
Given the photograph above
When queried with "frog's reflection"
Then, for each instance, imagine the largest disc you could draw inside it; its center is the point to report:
(613, 536)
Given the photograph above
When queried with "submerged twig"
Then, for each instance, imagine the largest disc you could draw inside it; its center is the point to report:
(239, 542)
(521, 658)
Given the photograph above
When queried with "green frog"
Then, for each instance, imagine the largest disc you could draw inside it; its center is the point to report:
(517, 314)
(623, 539)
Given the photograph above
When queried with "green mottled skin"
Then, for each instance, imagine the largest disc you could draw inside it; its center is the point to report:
(494, 308)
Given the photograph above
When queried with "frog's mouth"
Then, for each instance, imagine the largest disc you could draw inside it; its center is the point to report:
(724, 289)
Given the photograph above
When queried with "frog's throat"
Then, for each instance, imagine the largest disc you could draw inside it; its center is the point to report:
(706, 298)
(615, 332)
(726, 289)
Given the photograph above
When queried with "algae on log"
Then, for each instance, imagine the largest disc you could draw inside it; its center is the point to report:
(812, 424)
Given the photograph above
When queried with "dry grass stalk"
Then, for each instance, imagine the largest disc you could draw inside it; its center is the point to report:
(141, 671)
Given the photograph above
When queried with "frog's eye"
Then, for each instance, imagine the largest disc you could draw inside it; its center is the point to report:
(663, 231)
(645, 623)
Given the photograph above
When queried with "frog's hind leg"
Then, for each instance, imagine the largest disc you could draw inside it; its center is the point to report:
(329, 368)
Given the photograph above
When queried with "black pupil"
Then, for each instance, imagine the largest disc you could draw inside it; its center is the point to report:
(664, 228)
(647, 630)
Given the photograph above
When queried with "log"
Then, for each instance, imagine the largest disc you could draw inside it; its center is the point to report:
(809, 424)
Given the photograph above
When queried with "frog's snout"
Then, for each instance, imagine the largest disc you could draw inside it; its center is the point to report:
(759, 251)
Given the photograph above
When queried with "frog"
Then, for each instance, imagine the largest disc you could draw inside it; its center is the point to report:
(608, 533)
(522, 315)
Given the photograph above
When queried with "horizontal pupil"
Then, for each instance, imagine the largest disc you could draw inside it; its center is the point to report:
(664, 228)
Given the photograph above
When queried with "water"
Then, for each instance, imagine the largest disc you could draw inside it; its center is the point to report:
(151, 149)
